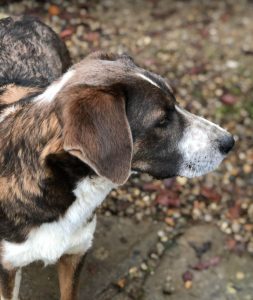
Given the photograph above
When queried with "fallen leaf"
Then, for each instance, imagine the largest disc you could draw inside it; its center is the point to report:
(66, 33)
(204, 265)
(152, 187)
(170, 221)
(211, 194)
(228, 99)
(92, 36)
(197, 70)
(187, 276)
(168, 198)
(169, 182)
(54, 10)
(231, 244)
(234, 212)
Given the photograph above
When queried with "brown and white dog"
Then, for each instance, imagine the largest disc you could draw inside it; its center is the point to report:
(66, 142)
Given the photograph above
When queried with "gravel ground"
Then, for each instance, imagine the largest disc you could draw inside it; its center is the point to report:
(205, 49)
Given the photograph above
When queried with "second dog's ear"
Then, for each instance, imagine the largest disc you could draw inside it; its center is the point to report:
(96, 130)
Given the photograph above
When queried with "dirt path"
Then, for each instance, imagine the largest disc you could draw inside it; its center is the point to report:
(116, 269)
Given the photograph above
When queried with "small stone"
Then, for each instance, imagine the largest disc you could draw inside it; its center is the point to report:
(154, 256)
(247, 169)
(144, 267)
(208, 218)
(54, 10)
(170, 221)
(236, 227)
(130, 211)
(219, 92)
(188, 284)
(168, 288)
(232, 64)
(164, 239)
(160, 248)
(133, 271)
(250, 212)
(230, 289)
(182, 180)
(250, 247)
(136, 192)
(240, 275)
(161, 233)
(121, 283)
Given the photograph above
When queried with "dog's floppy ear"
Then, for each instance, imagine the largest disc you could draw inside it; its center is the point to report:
(96, 130)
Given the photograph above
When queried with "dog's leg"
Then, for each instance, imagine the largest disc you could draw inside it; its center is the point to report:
(69, 269)
(9, 283)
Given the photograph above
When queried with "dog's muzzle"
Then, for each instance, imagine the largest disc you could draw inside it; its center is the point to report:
(203, 145)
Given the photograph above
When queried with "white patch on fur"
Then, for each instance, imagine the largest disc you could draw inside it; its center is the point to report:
(17, 285)
(199, 146)
(71, 234)
(147, 79)
(7, 111)
(51, 92)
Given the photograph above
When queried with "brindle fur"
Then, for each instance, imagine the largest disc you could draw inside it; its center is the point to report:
(31, 53)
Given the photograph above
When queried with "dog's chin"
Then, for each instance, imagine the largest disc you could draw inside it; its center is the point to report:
(193, 169)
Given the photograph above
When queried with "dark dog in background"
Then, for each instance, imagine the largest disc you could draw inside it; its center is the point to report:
(66, 142)
(31, 57)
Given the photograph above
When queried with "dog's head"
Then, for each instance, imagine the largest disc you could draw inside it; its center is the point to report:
(118, 117)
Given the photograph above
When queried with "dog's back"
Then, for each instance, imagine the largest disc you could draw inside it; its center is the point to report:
(32, 56)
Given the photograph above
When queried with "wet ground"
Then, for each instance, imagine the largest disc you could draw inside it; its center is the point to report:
(179, 238)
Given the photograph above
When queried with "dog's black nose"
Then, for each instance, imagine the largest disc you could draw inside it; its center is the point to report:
(226, 143)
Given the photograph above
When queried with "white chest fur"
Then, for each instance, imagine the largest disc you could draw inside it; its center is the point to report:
(71, 234)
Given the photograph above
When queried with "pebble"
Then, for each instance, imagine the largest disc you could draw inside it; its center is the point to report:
(160, 248)
(144, 267)
(236, 227)
(232, 64)
(188, 284)
(240, 275)
(230, 289)
(168, 288)
(250, 212)
(154, 256)
(250, 247)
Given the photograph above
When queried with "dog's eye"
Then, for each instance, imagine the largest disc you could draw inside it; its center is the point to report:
(166, 120)
(163, 123)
